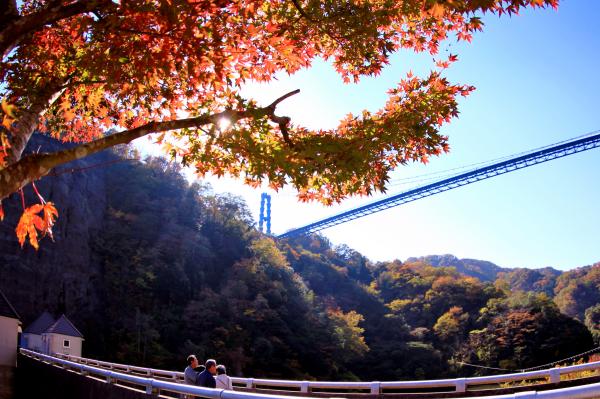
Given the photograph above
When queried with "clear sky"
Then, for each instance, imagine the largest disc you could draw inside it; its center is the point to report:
(538, 82)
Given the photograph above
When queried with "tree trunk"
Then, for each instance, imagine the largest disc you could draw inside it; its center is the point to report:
(27, 123)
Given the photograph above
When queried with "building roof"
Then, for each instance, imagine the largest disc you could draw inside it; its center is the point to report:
(40, 325)
(6, 309)
(65, 327)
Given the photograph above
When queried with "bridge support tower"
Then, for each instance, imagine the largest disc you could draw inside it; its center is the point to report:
(265, 213)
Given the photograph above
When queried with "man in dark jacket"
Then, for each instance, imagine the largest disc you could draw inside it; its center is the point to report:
(206, 379)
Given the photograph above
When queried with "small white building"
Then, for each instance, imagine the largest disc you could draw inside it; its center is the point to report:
(32, 335)
(51, 336)
(9, 332)
(63, 337)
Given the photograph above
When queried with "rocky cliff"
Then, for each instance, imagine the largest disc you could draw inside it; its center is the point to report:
(59, 276)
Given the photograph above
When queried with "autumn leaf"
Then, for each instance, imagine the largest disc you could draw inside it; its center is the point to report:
(27, 226)
(9, 114)
(442, 64)
(7, 121)
(437, 10)
(30, 223)
(160, 138)
(8, 109)
(50, 215)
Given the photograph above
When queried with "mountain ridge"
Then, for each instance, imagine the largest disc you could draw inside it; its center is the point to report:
(482, 269)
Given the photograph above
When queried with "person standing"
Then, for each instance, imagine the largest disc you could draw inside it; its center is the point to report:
(190, 375)
(206, 378)
(223, 380)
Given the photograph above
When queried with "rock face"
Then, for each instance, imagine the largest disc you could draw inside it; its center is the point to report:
(61, 272)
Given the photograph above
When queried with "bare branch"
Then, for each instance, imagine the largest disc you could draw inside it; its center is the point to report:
(282, 121)
(285, 96)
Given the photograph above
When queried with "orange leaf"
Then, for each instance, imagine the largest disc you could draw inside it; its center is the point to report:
(7, 121)
(50, 215)
(437, 10)
(33, 209)
(8, 109)
(25, 227)
(30, 222)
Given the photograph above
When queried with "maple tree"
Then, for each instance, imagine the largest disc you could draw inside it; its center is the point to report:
(75, 69)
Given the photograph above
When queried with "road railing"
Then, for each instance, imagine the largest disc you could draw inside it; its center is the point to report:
(150, 386)
(173, 378)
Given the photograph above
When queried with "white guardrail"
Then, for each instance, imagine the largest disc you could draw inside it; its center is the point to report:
(156, 380)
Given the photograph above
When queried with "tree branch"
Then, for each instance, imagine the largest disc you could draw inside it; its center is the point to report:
(284, 97)
(20, 27)
(35, 166)
(301, 11)
(282, 121)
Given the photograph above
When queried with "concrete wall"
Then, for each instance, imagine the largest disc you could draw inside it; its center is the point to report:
(8, 341)
(55, 344)
(35, 379)
(7, 382)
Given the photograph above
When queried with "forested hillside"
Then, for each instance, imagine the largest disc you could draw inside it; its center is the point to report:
(152, 268)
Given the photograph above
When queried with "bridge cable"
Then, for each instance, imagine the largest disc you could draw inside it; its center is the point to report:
(536, 367)
(483, 367)
(562, 360)
(58, 172)
(400, 181)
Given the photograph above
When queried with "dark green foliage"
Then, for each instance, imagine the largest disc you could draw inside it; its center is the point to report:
(184, 271)
(592, 322)
(527, 335)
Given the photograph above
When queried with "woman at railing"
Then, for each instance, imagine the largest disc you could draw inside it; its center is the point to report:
(223, 380)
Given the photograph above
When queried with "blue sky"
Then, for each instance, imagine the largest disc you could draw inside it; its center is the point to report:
(537, 83)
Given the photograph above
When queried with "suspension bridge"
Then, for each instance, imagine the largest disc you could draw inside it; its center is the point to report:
(523, 160)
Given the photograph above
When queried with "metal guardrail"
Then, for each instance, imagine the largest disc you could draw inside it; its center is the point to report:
(155, 379)
(149, 385)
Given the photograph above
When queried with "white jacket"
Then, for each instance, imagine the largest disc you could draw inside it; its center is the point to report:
(224, 382)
